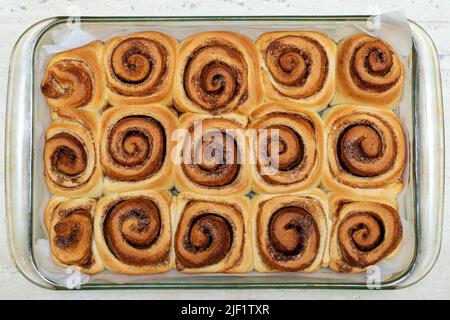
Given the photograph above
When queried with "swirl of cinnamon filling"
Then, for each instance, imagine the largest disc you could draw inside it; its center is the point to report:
(68, 164)
(209, 233)
(374, 65)
(207, 242)
(367, 148)
(216, 78)
(138, 66)
(70, 82)
(71, 238)
(131, 228)
(67, 154)
(213, 157)
(366, 233)
(290, 232)
(364, 152)
(135, 149)
(298, 65)
(293, 236)
(288, 147)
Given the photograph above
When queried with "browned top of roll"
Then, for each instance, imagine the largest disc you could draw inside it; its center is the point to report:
(70, 81)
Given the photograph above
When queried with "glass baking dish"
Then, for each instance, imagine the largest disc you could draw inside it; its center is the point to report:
(420, 204)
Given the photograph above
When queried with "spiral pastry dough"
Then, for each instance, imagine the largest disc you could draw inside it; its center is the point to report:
(70, 227)
(212, 234)
(135, 148)
(212, 155)
(368, 72)
(217, 72)
(71, 157)
(139, 68)
(366, 151)
(298, 67)
(365, 231)
(75, 79)
(290, 233)
(287, 147)
(133, 232)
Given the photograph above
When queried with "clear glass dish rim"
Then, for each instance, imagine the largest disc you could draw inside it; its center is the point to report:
(397, 282)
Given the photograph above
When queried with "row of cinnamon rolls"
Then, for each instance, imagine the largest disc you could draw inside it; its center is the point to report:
(353, 149)
(142, 232)
(220, 72)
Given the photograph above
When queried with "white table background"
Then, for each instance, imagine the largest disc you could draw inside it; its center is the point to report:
(17, 15)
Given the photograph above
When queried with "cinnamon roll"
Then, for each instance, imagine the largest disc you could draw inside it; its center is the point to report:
(298, 67)
(71, 157)
(75, 79)
(217, 72)
(288, 149)
(365, 231)
(212, 234)
(133, 232)
(69, 224)
(139, 68)
(212, 155)
(135, 148)
(290, 232)
(366, 150)
(368, 72)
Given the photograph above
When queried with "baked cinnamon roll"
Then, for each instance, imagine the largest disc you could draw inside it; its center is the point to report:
(135, 148)
(139, 68)
(69, 224)
(290, 232)
(133, 232)
(287, 147)
(366, 150)
(368, 72)
(212, 234)
(71, 157)
(75, 79)
(297, 67)
(217, 72)
(212, 155)
(365, 231)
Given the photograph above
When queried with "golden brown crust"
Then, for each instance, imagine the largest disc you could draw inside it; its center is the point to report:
(71, 156)
(75, 79)
(290, 232)
(301, 144)
(135, 148)
(70, 227)
(217, 72)
(133, 232)
(211, 155)
(368, 72)
(297, 67)
(212, 234)
(366, 151)
(365, 231)
(139, 68)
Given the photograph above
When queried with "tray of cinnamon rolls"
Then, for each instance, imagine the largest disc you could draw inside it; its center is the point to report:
(224, 152)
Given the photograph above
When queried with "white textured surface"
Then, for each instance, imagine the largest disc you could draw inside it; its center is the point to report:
(16, 16)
